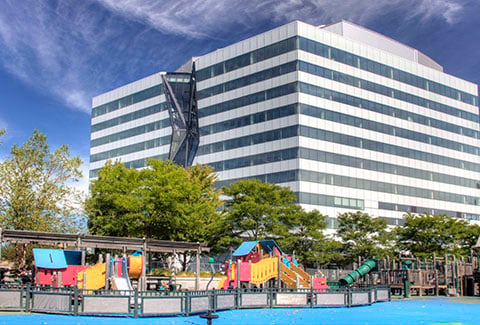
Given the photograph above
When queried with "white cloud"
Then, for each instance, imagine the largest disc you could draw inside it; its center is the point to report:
(217, 18)
(59, 48)
(72, 50)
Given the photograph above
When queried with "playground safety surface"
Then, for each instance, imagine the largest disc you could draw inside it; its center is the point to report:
(462, 310)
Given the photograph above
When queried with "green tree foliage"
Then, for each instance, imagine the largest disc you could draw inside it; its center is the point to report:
(363, 235)
(422, 235)
(307, 240)
(256, 210)
(35, 187)
(164, 201)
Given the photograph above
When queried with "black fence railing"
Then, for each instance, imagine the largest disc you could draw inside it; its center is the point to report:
(74, 301)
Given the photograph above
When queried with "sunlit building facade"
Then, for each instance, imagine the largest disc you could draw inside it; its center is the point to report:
(347, 118)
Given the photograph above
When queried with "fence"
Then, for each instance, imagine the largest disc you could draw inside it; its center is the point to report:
(151, 303)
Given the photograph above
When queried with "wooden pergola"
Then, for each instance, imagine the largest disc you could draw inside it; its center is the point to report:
(83, 241)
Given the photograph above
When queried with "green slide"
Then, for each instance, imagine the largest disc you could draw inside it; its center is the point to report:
(358, 273)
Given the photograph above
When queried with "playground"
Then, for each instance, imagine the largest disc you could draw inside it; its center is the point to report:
(259, 275)
(419, 311)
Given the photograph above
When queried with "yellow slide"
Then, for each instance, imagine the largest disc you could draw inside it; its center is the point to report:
(95, 275)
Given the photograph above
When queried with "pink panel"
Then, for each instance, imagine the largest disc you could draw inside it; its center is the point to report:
(245, 272)
(69, 276)
(44, 277)
(319, 284)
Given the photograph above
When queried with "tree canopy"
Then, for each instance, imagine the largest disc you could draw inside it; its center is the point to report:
(164, 201)
(423, 235)
(256, 210)
(362, 235)
(36, 190)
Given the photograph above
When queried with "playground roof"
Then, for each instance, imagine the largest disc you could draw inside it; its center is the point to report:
(49, 258)
(247, 246)
(81, 241)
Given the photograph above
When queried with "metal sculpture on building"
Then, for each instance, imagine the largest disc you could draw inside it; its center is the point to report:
(180, 93)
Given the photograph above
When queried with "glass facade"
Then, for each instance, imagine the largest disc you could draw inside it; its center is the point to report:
(306, 112)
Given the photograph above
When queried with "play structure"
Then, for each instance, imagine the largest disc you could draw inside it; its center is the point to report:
(57, 267)
(263, 264)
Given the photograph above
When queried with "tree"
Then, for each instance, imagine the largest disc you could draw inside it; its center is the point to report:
(164, 201)
(307, 239)
(36, 192)
(256, 210)
(35, 187)
(422, 235)
(362, 235)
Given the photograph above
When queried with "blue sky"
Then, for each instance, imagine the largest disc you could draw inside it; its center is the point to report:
(56, 55)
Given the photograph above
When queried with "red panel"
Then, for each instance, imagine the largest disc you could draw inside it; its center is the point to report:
(69, 276)
(320, 284)
(44, 277)
(245, 271)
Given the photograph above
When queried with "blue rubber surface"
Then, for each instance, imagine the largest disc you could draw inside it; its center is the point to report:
(427, 311)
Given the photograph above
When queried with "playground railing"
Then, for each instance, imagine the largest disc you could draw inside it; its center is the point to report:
(166, 303)
(12, 297)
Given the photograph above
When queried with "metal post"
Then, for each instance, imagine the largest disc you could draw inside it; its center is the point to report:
(75, 300)
(135, 304)
(107, 272)
(1, 243)
(312, 295)
(143, 276)
(197, 268)
(27, 298)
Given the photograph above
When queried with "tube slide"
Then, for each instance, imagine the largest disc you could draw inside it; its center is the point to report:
(358, 273)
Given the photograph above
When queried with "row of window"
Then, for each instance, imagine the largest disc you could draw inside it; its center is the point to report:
(337, 76)
(250, 119)
(384, 70)
(249, 99)
(386, 148)
(342, 160)
(150, 127)
(332, 53)
(431, 211)
(335, 117)
(376, 186)
(338, 97)
(131, 149)
(386, 129)
(129, 117)
(384, 90)
(334, 137)
(127, 100)
(384, 109)
(248, 80)
(246, 59)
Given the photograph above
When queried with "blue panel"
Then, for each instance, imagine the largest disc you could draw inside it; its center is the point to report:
(73, 257)
(268, 245)
(245, 248)
(49, 258)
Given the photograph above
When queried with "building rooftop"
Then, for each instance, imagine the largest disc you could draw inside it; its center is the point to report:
(379, 41)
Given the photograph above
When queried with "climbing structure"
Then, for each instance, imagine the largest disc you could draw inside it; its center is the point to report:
(258, 262)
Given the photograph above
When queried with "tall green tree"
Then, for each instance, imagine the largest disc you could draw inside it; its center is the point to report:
(362, 235)
(425, 234)
(164, 201)
(36, 191)
(306, 238)
(256, 210)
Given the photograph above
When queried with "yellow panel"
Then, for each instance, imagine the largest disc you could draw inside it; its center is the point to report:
(135, 266)
(95, 277)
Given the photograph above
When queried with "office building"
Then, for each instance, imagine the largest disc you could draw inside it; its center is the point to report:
(346, 117)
